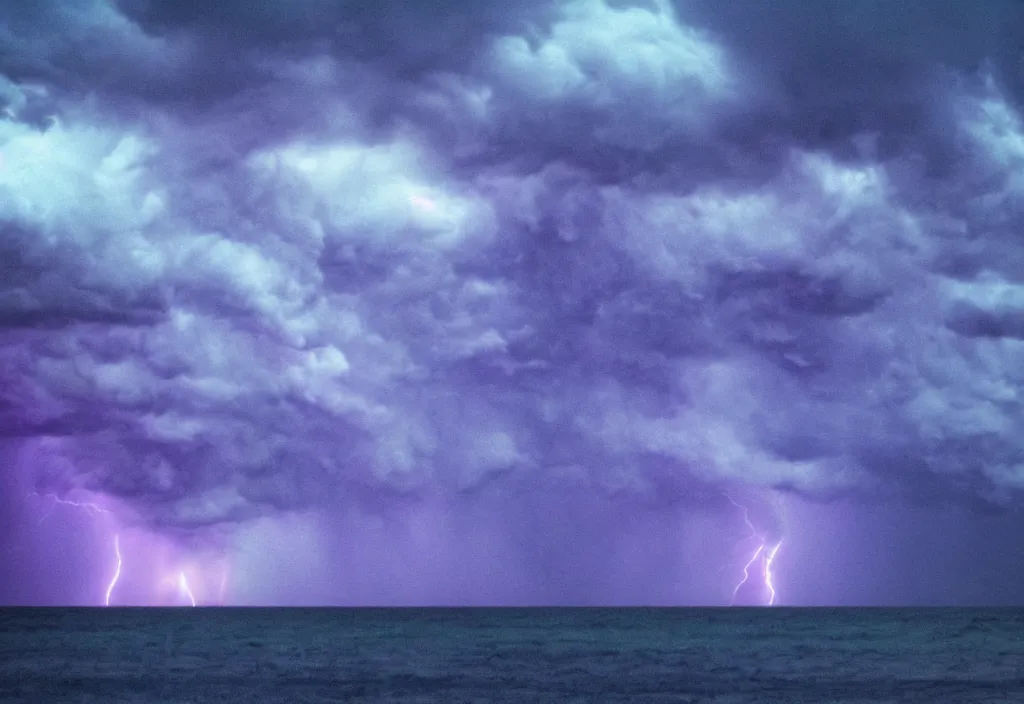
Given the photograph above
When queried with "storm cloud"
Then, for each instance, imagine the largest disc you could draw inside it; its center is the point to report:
(258, 259)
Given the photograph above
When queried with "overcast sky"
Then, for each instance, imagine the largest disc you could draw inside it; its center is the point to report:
(512, 302)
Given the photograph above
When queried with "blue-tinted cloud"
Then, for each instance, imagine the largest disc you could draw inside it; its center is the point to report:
(256, 263)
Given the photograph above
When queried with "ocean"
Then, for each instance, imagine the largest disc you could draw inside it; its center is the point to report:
(685, 655)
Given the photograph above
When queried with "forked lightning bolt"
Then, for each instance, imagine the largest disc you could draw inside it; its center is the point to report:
(93, 509)
(761, 551)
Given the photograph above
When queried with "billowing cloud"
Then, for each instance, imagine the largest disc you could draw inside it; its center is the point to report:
(257, 263)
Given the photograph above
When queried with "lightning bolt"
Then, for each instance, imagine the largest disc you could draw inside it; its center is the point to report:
(93, 509)
(183, 586)
(762, 550)
(117, 572)
(768, 572)
(746, 574)
(746, 516)
(90, 507)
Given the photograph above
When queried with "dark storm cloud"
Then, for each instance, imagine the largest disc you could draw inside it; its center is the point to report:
(408, 37)
(262, 260)
(837, 70)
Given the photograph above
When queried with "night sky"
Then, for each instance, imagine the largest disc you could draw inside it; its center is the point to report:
(514, 302)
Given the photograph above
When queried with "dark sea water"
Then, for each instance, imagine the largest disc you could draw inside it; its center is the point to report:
(726, 656)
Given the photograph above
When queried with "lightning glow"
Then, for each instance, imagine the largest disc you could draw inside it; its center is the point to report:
(117, 571)
(205, 590)
(185, 589)
(222, 590)
(423, 203)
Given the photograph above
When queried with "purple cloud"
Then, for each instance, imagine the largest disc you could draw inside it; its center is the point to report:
(537, 278)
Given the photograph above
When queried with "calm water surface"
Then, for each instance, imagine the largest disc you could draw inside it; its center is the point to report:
(725, 656)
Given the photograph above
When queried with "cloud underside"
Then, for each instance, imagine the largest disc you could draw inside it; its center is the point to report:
(253, 263)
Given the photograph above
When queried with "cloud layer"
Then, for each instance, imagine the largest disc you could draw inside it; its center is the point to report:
(255, 264)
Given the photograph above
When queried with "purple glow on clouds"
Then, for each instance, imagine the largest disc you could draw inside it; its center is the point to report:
(165, 568)
(476, 303)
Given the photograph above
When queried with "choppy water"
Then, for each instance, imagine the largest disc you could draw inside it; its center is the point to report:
(726, 656)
